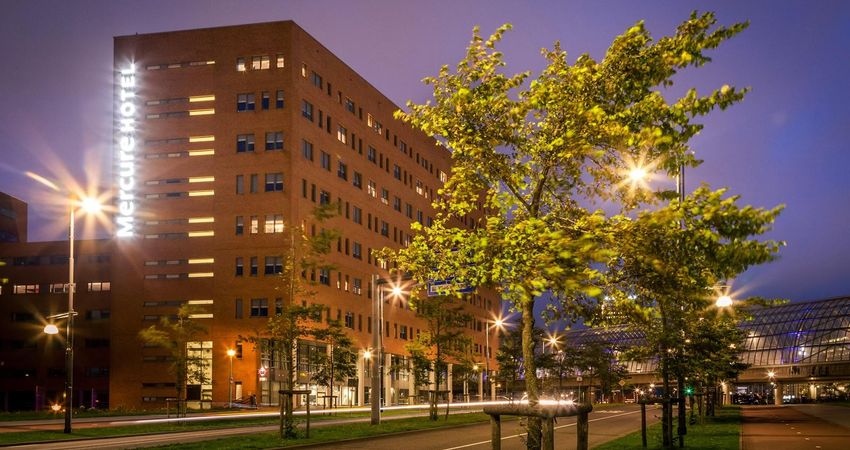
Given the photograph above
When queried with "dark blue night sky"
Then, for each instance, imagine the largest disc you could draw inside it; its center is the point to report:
(785, 144)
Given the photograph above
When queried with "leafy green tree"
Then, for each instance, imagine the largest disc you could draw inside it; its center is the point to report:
(598, 361)
(510, 356)
(443, 339)
(304, 252)
(341, 363)
(525, 154)
(174, 336)
(668, 259)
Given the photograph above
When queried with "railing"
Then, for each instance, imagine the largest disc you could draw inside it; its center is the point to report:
(547, 414)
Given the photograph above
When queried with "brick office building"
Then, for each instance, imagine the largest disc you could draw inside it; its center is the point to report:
(224, 136)
(33, 286)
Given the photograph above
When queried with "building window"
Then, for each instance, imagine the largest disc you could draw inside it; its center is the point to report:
(259, 307)
(357, 216)
(254, 183)
(254, 268)
(25, 289)
(357, 180)
(278, 103)
(396, 172)
(274, 140)
(408, 210)
(370, 154)
(240, 64)
(349, 105)
(372, 189)
(260, 63)
(264, 100)
(304, 70)
(307, 109)
(357, 287)
(240, 225)
(324, 197)
(342, 134)
(397, 204)
(419, 216)
(274, 264)
(342, 171)
(280, 61)
(403, 147)
(349, 320)
(274, 182)
(255, 225)
(316, 79)
(274, 223)
(238, 305)
(385, 196)
(357, 251)
(55, 288)
(240, 184)
(244, 143)
(420, 188)
(245, 102)
(99, 286)
(307, 150)
(385, 230)
(325, 276)
(326, 161)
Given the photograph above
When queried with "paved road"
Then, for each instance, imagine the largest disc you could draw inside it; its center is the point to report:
(605, 425)
(795, 428)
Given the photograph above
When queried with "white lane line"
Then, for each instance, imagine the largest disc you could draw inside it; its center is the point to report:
(523, 434)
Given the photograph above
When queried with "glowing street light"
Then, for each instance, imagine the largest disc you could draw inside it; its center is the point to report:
(231, 353)
(637, 174)
(396, 291)
(87, 205)
(500, 325)
(724, 301)
(367, 354)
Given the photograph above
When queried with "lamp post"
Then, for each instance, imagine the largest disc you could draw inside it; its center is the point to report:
(376, 390)
(231, 353)
(89, 205)
(498, 323)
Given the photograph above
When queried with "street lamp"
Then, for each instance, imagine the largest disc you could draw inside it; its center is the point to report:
(231, 353)
(88, 205)
(378, 343)
(498, 323)
(723, 301)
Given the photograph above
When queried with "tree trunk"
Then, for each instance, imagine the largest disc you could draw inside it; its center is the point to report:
(531, 385)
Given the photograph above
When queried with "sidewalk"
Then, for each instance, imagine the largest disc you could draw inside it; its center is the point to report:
(787, 428)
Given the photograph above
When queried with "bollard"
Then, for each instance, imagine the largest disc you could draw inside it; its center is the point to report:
(582, 430)
(496, 431)
(548, 434)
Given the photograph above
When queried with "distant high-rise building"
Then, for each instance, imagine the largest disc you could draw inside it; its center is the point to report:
(13, 219)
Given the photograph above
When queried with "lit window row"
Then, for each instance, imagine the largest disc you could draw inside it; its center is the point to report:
(167, 195)
(178, 276)
(60, 288)
(179, 65)
(273, 224)
(181, 235)
(273, 183)
(176, 262)
(203, 179)
(180, 221)
(262, 62)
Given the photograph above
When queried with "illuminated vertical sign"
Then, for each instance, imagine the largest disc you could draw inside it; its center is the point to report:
(125, 136)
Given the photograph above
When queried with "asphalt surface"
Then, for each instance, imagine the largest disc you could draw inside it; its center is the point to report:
(797, 427)
(605, 425)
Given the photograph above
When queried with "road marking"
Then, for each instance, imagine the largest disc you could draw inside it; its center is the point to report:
(523, 434)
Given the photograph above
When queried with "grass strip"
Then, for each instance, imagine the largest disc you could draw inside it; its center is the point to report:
(336, 433)
(721, 432)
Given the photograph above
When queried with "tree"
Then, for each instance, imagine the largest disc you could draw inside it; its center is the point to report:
(598, 361)
(304, 254)
(666, 262)
(524, 155)
(174, 336)
(341, 363)
(442, 339)
(510, 356)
